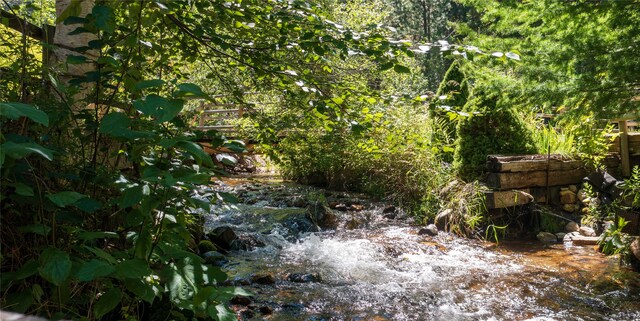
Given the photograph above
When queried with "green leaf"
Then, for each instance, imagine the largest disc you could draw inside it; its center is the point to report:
(190, 90)
(227, 159)
(237, 146)
(401, 69)
(17, 110)
(65, 198)
(131, 196)
(107, 302)
(23, 189)
(196, 151)
(162, 109)
(94, 269)
(101, 254)
(105, 19)
(76, 59)
(221, 312)
(55, 265)
(92, 235)
(21, 150)
(141, 289)
(39, 229)
(133, 269)
(88, 205)
(115, 124)
(153, 83)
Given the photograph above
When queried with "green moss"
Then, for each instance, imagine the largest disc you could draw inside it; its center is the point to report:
(205, 246)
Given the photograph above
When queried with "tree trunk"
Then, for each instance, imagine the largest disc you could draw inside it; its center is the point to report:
(67, 45)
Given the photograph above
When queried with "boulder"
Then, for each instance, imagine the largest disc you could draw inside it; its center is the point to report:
(573, 188)
(240, 300)
(570, 236)
(430, 230)
(570, 208)
(263, 278)
(223, 237)
(547, 237)
(586, 231)
(568, 197)
(635, 248)
(443, 218)
(321, 215)
(582, 195)
(215, 258)
(572, 227)
(560, 235)
(389, 209)
(304, 277)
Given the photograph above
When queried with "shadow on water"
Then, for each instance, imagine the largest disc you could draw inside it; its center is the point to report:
(381, 269)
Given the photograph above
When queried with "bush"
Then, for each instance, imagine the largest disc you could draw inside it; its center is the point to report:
(490, 128)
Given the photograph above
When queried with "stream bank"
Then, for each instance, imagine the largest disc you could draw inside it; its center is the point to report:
(359, 259)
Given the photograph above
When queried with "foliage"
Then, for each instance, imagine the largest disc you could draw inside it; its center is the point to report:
(577, 55)
(631, 187)
(613, 241)
(101, 185)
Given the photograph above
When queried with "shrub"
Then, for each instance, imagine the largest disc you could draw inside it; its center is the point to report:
(491, 127)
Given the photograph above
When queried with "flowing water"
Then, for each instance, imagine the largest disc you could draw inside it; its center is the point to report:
(373, 267)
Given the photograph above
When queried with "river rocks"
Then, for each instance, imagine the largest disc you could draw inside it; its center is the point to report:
(570, 236)
(297, 201)
(573, 189)
(265, 310)
(560, 235)
(571, 208)
(571, 227)
(582, 195)
(304, 277)
(568, 197)
(240, 300)
(215, 258)
(443, 218)
(586, 231)
(430, 230)
(321, 215)
(263, 278)
(635, 248)
(547, 237)
(389, 209)
(223, 237)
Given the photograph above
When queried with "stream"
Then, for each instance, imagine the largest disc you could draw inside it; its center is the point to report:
(374, 265)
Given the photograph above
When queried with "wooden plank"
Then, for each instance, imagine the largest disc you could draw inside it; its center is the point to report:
(584, 240)
(516, 180)
(529, 163)
(507, 199)
(624, 148)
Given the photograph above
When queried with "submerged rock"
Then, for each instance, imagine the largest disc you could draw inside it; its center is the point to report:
(547, 237)
(430, 230)
(240, 300)
(215, 258)
(263, 278)
(304, 277)
(321, 215)
(389, 209)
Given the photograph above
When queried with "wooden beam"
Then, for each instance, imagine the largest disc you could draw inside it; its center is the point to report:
(515, 180)
(21, 25)
(624, 148)
(507, 199)
(529, 163)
